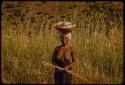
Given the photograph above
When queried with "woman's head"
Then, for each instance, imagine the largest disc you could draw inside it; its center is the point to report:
(65, 38)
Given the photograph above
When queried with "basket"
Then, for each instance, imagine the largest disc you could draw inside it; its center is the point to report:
(65, 27)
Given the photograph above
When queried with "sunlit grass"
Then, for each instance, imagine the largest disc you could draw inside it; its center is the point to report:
(98, 42)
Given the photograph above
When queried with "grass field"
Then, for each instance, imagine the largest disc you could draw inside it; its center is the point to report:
(29, 36)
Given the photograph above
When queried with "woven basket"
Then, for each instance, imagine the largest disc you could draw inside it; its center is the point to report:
(64, 30)
(65, 27)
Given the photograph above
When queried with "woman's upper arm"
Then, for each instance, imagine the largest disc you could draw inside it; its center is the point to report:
(73, 55)
(54, 54)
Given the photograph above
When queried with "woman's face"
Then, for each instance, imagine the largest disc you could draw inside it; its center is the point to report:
(64, 39)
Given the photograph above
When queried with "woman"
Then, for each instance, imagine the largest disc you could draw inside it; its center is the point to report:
(64, 57)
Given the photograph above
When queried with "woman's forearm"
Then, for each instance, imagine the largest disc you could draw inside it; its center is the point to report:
(58, 66)
(70, 65)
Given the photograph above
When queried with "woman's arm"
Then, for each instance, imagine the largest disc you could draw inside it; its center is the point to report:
(53, 58)
(73, 54)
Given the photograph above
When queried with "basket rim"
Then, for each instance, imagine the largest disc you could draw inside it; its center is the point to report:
(63, 28)
(63, 25)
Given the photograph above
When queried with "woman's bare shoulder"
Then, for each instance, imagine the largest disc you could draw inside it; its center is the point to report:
(72, 48)
(56, 48)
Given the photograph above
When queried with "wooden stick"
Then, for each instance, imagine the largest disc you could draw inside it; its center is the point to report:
(68, 71)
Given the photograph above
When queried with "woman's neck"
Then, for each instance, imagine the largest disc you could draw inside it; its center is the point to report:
(65, 45)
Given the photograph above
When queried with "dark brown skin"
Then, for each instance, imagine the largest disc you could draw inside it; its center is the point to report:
(64, 51)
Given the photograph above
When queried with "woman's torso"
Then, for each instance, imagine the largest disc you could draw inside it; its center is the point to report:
(63, 57)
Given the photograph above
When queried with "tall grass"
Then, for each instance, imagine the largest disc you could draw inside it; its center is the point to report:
(97, 40)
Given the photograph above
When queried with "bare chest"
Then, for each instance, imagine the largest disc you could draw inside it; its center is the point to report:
(64, 53)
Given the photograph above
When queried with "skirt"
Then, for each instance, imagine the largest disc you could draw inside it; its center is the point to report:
(62, 77)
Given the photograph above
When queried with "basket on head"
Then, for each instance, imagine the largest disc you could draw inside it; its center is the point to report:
(64, 27)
